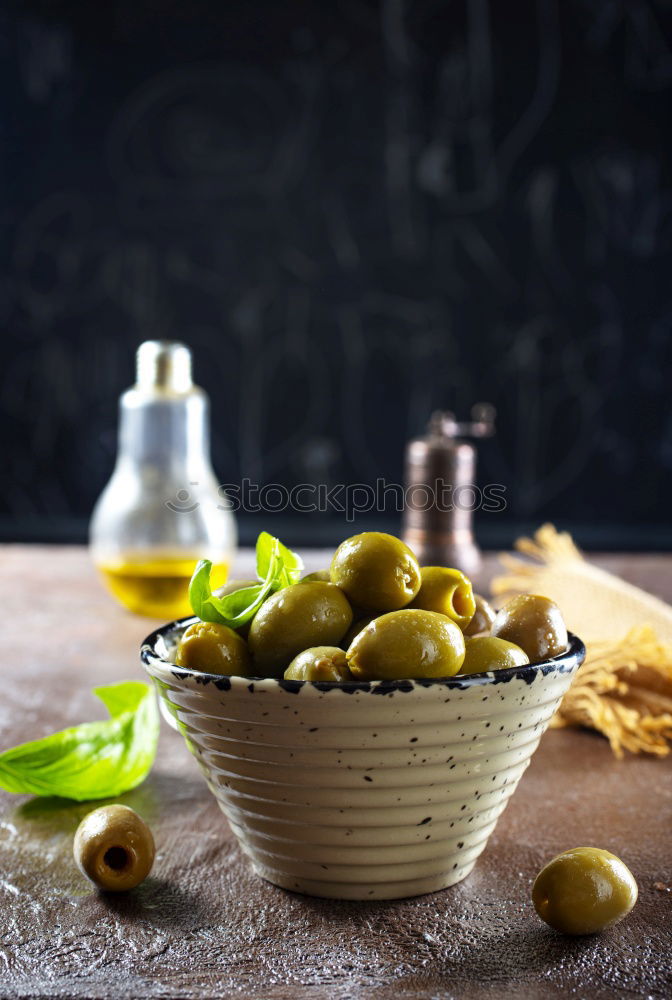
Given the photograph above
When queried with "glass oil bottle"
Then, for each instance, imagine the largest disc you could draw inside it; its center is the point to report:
(161, 510)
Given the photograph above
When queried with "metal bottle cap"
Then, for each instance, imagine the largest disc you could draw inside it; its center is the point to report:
(164, 366)
(440, 480)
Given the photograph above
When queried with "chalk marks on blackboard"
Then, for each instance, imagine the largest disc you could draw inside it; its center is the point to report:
(636, 26)
(386, 216)
(655, 364)
(626, 202)
(541, 202)
(46, 58)
(203, 133)
(538, 107)
(48, 255)
(285, 388)
(471, 148)
(487, 252)
(457, 163)
(399, 127)
(570, 399)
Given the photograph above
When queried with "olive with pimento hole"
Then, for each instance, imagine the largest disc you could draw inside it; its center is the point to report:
(447, 591)
(114, 848)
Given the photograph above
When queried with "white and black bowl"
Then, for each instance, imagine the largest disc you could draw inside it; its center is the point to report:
(366, 790)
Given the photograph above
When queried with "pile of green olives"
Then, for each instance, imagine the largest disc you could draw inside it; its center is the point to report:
(376, 614)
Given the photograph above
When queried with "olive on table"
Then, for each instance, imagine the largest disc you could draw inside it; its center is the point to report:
(114, 847)
(294, 619)
(534, 623)
(317, 576)
(583, 891)
(486, 652)
(447, 591)
(320, 663)
(377, 571)
(484, 616)
(214, 649)
(407, 644)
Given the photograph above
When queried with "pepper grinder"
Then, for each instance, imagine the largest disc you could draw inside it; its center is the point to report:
(440, 474)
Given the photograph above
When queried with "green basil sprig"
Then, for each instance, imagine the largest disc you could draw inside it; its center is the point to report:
(97, 760)
(277, 567)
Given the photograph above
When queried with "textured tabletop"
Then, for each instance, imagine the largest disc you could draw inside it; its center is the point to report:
(204, 926)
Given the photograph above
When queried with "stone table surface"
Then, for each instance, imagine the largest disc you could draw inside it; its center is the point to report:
(202, 925)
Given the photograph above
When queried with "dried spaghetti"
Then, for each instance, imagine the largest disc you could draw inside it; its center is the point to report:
(624, 688)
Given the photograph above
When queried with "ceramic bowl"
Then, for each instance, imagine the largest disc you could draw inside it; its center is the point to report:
(374, 790)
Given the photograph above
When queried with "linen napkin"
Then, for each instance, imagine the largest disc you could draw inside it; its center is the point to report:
(624, 687)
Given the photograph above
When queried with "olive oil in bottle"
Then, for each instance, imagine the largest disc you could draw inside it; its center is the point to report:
(156, 586)
(162, 510)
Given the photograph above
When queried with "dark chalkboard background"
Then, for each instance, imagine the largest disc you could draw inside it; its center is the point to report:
(354, 213)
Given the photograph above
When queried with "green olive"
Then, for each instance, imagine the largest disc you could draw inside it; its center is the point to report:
(378, 572)
(407, 644)
(485, 652)
(484, 616)
(114, 848)
(318, 576)
(320, 663)
(447, 591)
(584, 891)
(534, 623)
(355, 629)
(214, 649)
(294, 619)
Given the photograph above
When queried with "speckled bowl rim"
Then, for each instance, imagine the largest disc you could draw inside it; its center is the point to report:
(567, 662)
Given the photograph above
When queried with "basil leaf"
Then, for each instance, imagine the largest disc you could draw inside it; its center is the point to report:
(292, 563)
(238, 601)
(234, 609)
(97, 760)
(266, 546)
(277, 566)
(200, 592)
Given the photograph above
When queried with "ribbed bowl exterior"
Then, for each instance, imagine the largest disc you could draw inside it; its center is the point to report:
(378, 790)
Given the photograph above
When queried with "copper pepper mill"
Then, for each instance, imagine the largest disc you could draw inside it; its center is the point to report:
(441, 490)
